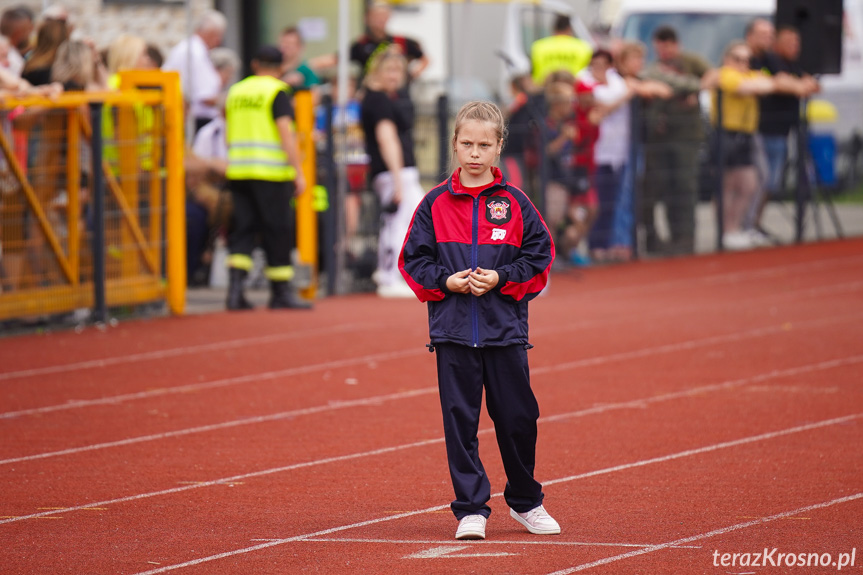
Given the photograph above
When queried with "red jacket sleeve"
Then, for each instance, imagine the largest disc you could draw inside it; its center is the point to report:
(418, 260)
(527, 275)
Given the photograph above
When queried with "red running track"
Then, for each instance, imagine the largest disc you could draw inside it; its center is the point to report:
(692, 410)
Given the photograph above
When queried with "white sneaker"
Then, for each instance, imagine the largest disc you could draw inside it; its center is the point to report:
(758, 239)
(471, 527)
(537, 521)
(737, 241)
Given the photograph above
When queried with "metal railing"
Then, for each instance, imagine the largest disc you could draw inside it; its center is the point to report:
(92, 210)
(795, 211)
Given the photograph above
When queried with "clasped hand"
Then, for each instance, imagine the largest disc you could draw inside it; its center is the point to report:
(476, 282)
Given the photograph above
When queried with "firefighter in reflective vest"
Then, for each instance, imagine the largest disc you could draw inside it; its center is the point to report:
(560, 51)
(263, 175)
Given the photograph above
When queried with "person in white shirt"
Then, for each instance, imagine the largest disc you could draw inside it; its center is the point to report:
(611, 154)
(5, 49)
(200, 80)
(16, 24)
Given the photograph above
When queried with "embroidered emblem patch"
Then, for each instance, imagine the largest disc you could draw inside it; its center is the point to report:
(498, 234)
(497, 211)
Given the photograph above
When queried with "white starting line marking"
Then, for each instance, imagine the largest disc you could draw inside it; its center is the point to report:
(545, 542)
(616, 468)
(452, 552)
(709, 534)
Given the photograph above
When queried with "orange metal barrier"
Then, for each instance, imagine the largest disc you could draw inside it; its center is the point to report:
(47, 198)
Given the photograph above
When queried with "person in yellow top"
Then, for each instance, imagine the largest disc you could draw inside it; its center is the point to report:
(263, 174)
(560, 51)
(740, 89)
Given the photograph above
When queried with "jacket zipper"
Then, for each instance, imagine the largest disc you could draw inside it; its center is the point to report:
(474, 256)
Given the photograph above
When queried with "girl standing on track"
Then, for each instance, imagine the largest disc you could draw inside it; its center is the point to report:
(477, 251)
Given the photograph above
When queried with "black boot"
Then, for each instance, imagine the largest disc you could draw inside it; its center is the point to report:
(283, 297)
(236, 299)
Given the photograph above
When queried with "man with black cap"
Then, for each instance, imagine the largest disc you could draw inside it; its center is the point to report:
(263, 174)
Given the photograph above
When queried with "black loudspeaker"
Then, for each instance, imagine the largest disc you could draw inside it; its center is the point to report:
(820, 26)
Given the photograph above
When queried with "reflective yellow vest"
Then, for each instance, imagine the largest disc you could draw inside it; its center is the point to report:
(558, 52)
(255, 149)
(145, 122)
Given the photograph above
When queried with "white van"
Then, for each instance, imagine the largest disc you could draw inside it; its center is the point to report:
(527, 22)
(475, 48)
(707, 26)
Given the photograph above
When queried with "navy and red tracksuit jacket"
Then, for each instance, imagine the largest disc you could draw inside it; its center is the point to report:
(496, 229)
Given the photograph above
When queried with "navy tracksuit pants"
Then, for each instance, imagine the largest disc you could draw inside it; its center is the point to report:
(463, 372)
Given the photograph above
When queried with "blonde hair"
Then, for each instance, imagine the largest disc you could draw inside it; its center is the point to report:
(630, 48)
(559, 76)
(732, 46)
(73, 63)
(481, 111)
(125, 52)
(377, 61)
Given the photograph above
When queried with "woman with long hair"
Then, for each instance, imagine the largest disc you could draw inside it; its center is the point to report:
(37, 69)
(388, 121)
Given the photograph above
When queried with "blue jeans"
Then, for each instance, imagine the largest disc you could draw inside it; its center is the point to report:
(776, 150)
(608, 186)
(624, 217)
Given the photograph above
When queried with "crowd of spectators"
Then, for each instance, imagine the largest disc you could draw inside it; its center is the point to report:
(594, 157)
(574, 111)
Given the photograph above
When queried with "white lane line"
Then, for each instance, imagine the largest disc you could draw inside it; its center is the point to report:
(117, 399)
(616, 468)
(697, 307)
(670, 348)
(708, 449)
(485, 542)
(228, 480)
(180, 351)
(667, 348)
(377, 400)
(243, 342)
(726, 278)
(632, 404)
(709, 534)
(255, 377)
(701, 390)
(691, 344)
(768, 272)
(335, 405)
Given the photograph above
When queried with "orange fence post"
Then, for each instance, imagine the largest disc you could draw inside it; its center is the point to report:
(307, 217)
(55, 201)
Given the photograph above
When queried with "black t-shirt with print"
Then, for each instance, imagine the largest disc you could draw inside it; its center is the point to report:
(778, 113)
(365, 47)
